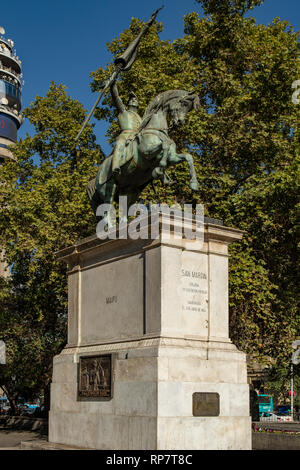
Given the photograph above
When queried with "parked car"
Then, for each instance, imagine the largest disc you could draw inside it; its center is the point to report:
(40, 412)
(265, 403)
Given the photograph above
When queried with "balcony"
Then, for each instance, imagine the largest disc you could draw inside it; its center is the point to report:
(8, 59)
(11, 72)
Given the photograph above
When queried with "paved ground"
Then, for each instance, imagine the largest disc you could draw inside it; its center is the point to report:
(11, 439)
(281, 426)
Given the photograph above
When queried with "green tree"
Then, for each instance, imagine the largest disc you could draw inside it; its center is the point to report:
(43, 208)
(245, 141)
(279, 384)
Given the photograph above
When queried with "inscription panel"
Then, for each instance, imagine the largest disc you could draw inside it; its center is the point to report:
(194, 288)
(206, 404)
(2, 352)
(95, 374)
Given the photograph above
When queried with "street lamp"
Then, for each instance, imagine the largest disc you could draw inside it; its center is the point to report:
(2, 352)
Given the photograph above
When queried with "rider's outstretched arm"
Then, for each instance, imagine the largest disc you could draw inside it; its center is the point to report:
(118, 103)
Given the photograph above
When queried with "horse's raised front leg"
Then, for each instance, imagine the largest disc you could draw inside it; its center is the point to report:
(106, 212)
(94, 196)
(161, 174)
(174, 158)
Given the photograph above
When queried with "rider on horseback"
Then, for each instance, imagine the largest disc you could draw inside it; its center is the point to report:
(129, 122)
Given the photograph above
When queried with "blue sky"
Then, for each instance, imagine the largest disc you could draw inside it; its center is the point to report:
(64, 40)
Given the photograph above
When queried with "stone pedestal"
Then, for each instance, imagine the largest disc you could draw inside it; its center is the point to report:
(158, 310)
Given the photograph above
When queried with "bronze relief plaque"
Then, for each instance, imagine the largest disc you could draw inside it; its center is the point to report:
(95, 373)
(206, 404)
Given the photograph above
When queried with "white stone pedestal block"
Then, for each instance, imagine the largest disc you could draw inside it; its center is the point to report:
(159, 309)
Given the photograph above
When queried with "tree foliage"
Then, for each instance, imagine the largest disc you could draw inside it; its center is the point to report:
(278, 383)
(228, 7)
(245, 142)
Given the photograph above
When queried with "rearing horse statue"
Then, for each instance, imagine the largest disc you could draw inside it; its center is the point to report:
(147, 154)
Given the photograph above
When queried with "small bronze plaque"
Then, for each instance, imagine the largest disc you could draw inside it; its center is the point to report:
(94, 379)
(206, 404)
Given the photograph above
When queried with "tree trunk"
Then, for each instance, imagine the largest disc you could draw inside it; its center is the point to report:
(47, 400)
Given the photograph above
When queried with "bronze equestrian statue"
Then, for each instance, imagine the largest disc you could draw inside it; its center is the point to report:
(143, 153)
(143, 150)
